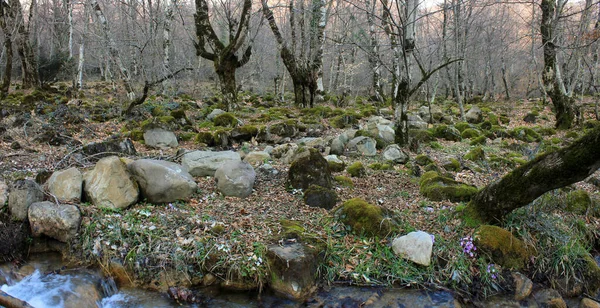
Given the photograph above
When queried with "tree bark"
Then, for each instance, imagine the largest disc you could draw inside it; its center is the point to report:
(4, 87)
(546, 172)
(29, 66)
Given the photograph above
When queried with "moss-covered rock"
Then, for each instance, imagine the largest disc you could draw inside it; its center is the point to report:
(462, 126)
(285, 129)
(501, 246)
(572, 134)
(476, 154)
(447, 132)
(525, 134)
(311, 169)
(206, 138)
(226, 120)
(357, 170)
(481, 140)
(579, 202)
(336, 166)
(470, 133)
(381, 166)
(423, 160)
(421, 135)
(344, 181)
(362, 217)
(546, 131)
(244, 133)
(317, 196)
(452, 164)
(485, 125)
(438, 188)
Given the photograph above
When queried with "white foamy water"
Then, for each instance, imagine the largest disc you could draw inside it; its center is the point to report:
(42, 291)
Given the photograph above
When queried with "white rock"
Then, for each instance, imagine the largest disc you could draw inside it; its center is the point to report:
(160, 138)
(415, 246)
(205, 163)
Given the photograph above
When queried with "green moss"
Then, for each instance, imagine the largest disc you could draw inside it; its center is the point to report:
(336, 166)
(186, 136)
(356, 170)
(476, 154)
(578, 202)
(435, 145)
(446, 132)
(504, 119)
(493, 119)
(461, 126)
(572, 134)
(452, 165)
(525, 134)
(218, 229)
(344, 181)
(421, 135)
(470, 133)
(501, 246)
(438, 188)
(311, 169)
(432, 167)
(518, 160)
(364, 218)
(225, 120)
(423, 160)
(546, 131)
(343, 121)
(555, 140)
(137, 135)
(292, 228)
(206, 138)
(380, 166)
(478, 140)
(485, 125)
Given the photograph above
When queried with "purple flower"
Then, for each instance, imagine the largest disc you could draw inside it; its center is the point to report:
(491, 268)
(468, 247)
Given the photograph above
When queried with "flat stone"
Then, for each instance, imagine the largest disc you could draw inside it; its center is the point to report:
(205, 163)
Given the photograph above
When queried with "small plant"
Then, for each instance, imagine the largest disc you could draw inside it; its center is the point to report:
(492, 270)
(468, 247)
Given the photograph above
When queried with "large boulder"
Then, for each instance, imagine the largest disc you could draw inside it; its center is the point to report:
(385, 133)
(439, 188)
(415, 122)
(235, 179)
(58, 221)
(66, 185)
(310, 169)
(160, 138)
(362, 217)
(162, 181)
(415, 246)
(109, 184)
(393, 153)
(22, 195)
(501, 246)
(362, 145)
(293, 269)
(474, 115)
(110, 147)
(205, 163)
(317, 196)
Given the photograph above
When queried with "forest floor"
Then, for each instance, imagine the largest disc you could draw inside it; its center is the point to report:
(214, 237)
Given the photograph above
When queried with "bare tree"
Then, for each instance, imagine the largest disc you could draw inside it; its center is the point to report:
(223, 54)
(29, 67)
(5, 17)
(304, 61)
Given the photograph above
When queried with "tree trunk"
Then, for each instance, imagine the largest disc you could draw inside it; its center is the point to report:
(28, 61)
(4, 87)
(8, 301)
(401, 113)
(225, 69)
(546, 172)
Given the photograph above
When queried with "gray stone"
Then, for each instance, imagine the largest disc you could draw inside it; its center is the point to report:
(415, 246)
(109, 184)
(21, 196)
(257, 158)
(205, 163)
(335, 163)
(313, 142)
(160, 138)
(293, 269)
(213, 114)
(474, 115)
(269, 149)
(393, 153)
(436, 114)
(162, 181)
(415, 121)
(110, 147)
(66, 185)
(235, 179)
(3, 194)
(337, 146)
(379, 120)
(283, 149)
(362, 145)
(347, 135)
(58, 221)
(384, 132)
(549, 298)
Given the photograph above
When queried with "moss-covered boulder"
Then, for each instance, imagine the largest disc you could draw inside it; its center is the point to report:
(311, 169)
(381, 166)
(501, 246)
(579, 202)
(451, 164)
(286, 129)
(476, 154)
(421, 135)
(226, 120)
(357, 170)
(344, 181)
(438, 188)
(470, 133)
(362, 217)
(423, 160)
(461, 126)
(244, 133)
(525, 134)
(335, 163)
(447, 132)
(317, 196)
(481, 140)
(205, 138)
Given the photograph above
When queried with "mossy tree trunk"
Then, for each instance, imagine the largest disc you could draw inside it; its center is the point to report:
(4, 14)
(29, 67)
(546, 172)
(223, 55)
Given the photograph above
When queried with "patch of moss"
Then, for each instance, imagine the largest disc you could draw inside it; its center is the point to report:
(518, 160)
(525, 134)
(478, 140)
(356, 170)
(501, 246)
(206, 138)
(136, 135)
(572, 134)
(432, 167)
(292, 228)
(476, 154)
(186, 136)
(555, 140)
(546, 131)
(493, 119)
(380, 166)
(344, 181)
(336, 166)
(435, 145)
(225, 120)
(421, 135)
(470, 133)
(461, 126)
(578, 202)
(438, 188)
(318, 196)
(244, 133)
(423, 160)
(452, 165)
(364, 218)
(485, 125)
(447, 132)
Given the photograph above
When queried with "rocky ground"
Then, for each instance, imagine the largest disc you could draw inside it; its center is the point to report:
(216, 237)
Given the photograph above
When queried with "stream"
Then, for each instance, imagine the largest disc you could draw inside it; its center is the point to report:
(45, 282)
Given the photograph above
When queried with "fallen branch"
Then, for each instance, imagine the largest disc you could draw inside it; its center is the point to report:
(9, 301)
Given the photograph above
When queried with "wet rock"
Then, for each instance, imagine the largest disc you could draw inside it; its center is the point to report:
(474, 115)
(393, 153)
(415, 246)
(549, 298)
(84, 294)
(293, 269)
(66, 185)
(257, 158)
(110, 147)
(58, 221)
(110, 185)
(362, 145)
(502, 247)
(235, 179)
(3, 194)
(162, 181)
(160, 138)
(523, 286)
(21, 196)
(317, 196)
(310, 169)
(205, 163)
